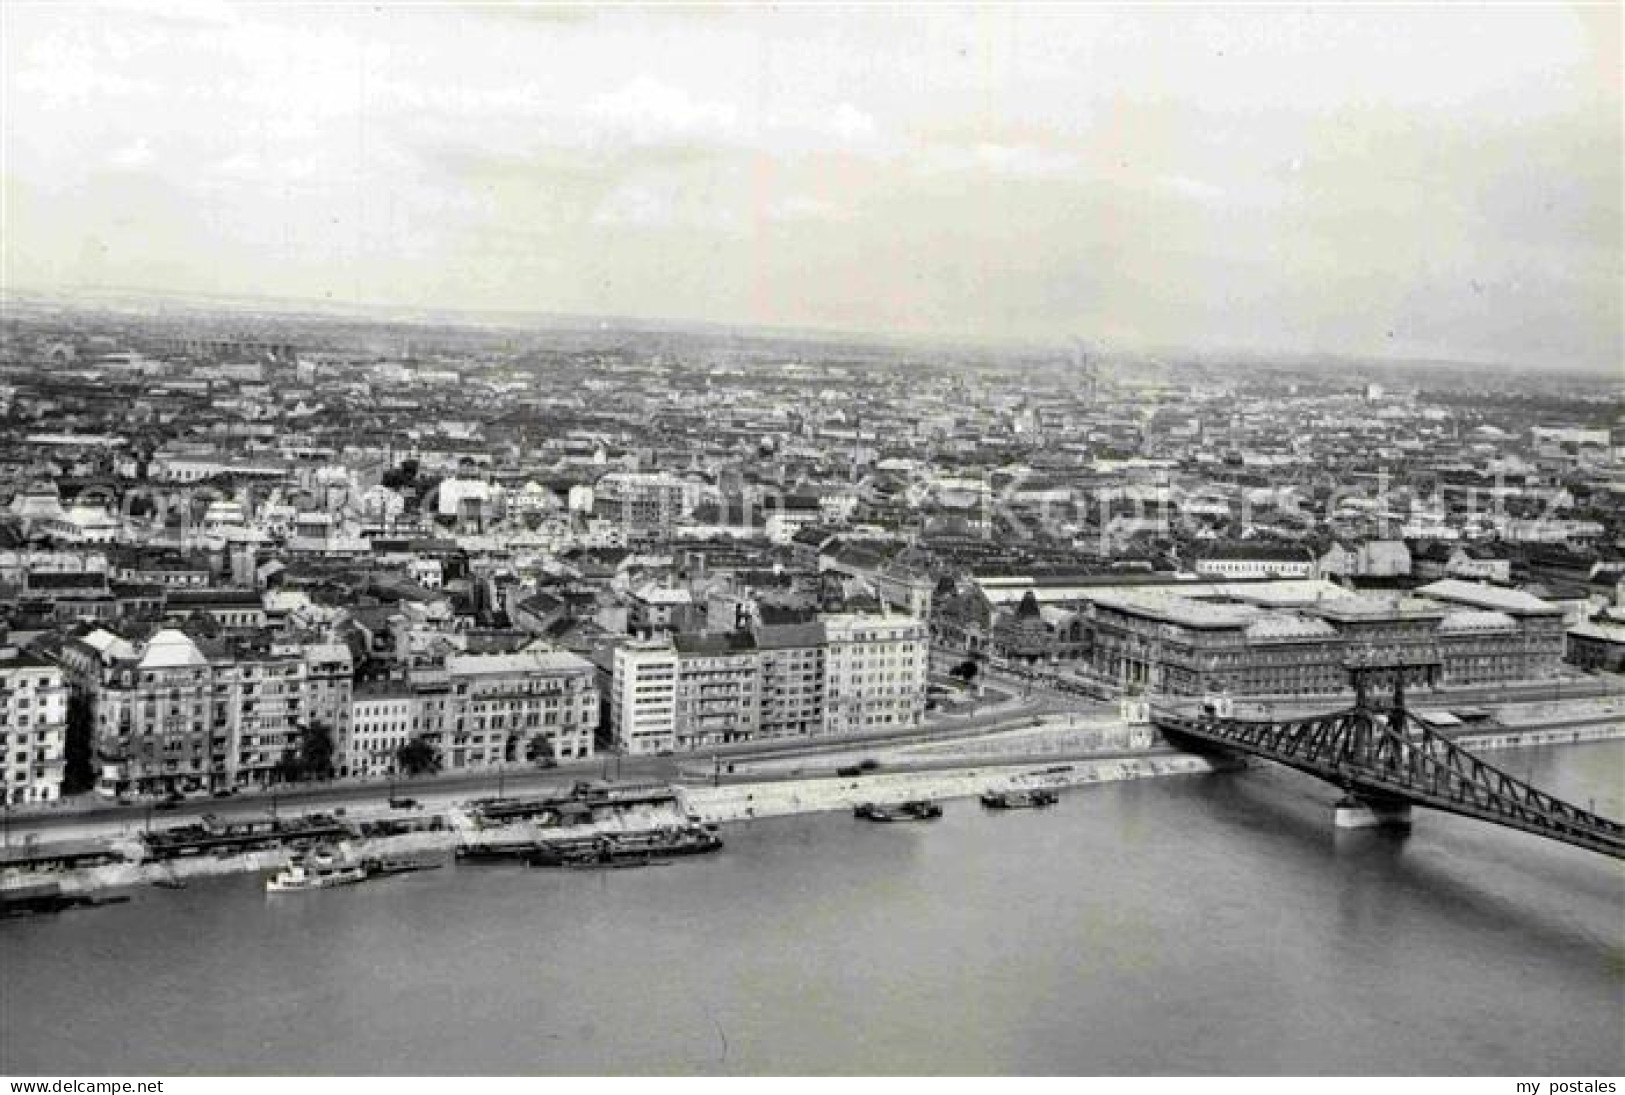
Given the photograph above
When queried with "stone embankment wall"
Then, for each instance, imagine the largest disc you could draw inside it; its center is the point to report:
(1055, 736)
(745, 801)
(1058, 736)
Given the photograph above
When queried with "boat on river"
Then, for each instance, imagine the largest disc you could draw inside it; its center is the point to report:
(922, 809)
(1019, 800)
(388, 867)
(494, 852)
(644, 848)
(317, 869)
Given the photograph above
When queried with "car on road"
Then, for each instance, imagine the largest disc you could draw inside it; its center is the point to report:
(403, 804)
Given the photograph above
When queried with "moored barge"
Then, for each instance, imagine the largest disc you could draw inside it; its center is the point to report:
(1019, 800)
(915, 810)
(617, 849)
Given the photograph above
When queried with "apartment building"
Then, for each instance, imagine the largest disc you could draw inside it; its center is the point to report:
(792, 685)
(527, 706)
(161, 720)
(282, 690)
(383, 719)
(178, 714)
(718, 697)
(846, 673)
(642, 503)
(643, 697)
(33, 728)
(875, 670)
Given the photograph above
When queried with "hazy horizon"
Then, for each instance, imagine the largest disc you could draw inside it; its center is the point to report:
(1391, 184)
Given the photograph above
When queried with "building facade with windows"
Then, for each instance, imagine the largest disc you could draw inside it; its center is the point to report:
(643, 698)
(792, 688)
(875, 669)
(383, 718)
(1165, 643)
(176, 714)
(719, 689)
(163, 715)
(33, 728)
(529, 706)
(839, 675)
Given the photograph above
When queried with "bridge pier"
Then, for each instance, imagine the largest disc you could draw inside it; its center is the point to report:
(1354, 812)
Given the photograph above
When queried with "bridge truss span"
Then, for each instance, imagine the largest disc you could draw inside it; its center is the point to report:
(1386, 758)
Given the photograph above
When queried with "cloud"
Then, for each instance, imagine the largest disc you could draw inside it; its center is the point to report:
(635, 206)
(1114, 168)
(663, 204)
(1025, 161)
(134, 156)
(1011, 161)
(647, 111)
(803, 207)
(851, 125)
(1194, 189)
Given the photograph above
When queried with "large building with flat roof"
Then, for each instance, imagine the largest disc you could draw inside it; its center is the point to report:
(1159, 641)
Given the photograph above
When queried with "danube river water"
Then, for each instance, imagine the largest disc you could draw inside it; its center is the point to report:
(1210, 924)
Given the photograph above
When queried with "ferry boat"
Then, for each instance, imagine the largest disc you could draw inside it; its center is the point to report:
(315, 870)
(624, 849)
(1019, 800)
(915, 810)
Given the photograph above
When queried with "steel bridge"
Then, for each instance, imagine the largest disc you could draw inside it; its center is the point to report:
(1386, 761)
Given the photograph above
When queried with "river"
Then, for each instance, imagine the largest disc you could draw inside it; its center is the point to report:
(1209, 924)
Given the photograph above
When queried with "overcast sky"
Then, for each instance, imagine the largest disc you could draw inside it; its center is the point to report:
(1422, 181)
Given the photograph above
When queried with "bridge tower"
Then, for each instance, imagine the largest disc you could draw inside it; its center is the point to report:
(1371, 671)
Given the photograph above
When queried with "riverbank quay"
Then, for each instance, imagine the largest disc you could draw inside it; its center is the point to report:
(1051, 752)
(464, 826)
(1026, 738)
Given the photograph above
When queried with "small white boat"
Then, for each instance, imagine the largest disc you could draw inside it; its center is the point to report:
(315, 870)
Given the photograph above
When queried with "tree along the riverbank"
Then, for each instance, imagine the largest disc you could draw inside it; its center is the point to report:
(418, 757)
(312, 759)
(79, 771)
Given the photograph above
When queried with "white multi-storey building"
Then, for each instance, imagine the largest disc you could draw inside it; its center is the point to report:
(643, 502)
(33, 728)
(382, 720)
(643, 697)
(874, 672)
(849, 673)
